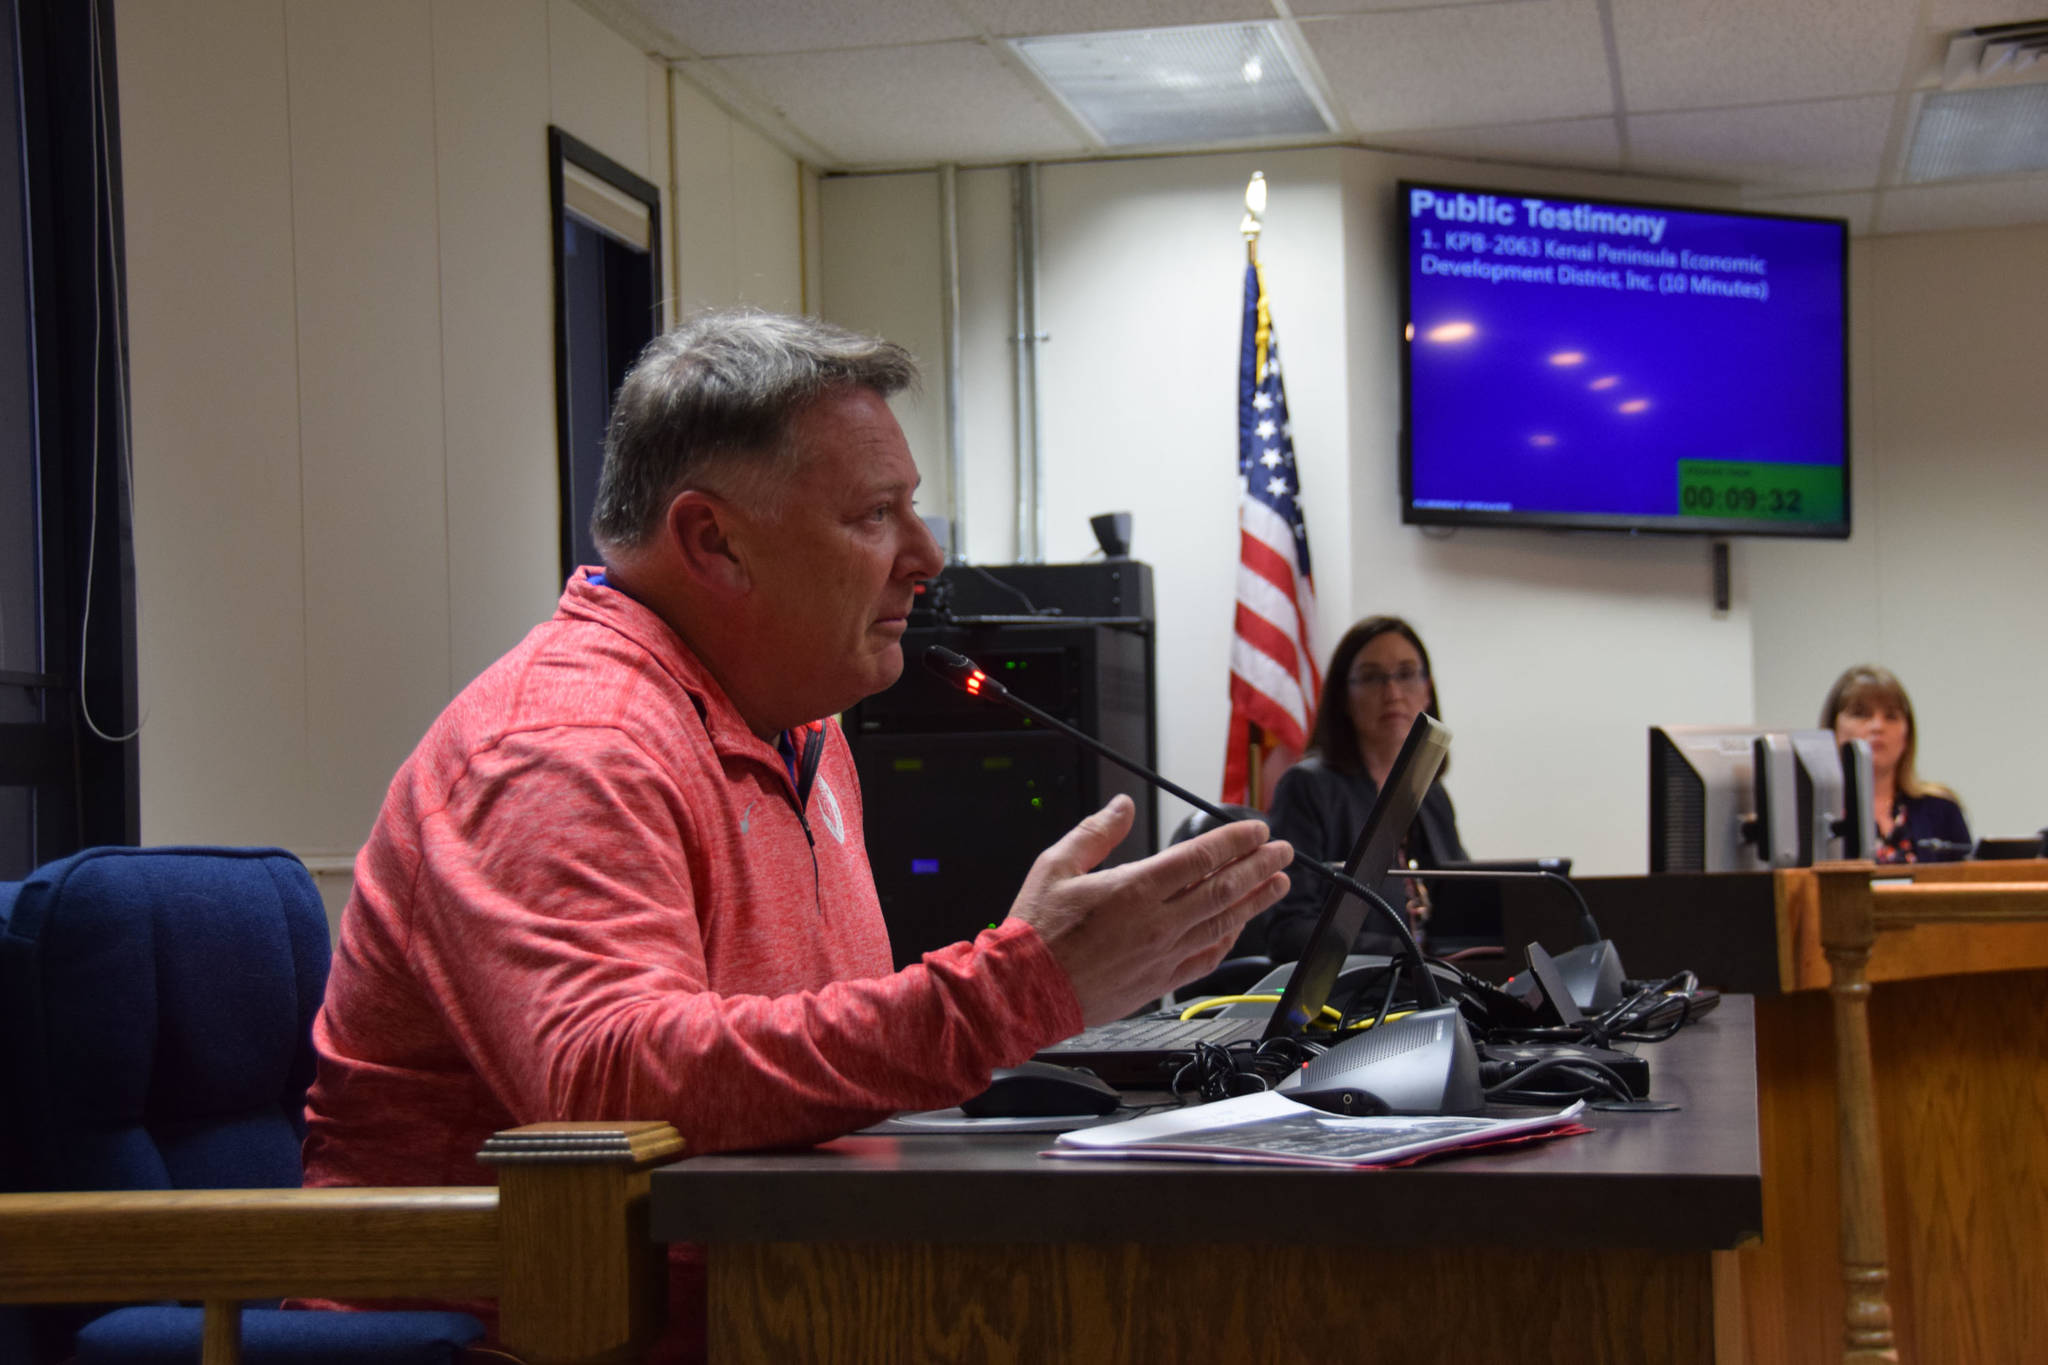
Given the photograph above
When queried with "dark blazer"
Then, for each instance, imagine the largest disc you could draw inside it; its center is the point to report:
(1320, 811)
(1925, 829)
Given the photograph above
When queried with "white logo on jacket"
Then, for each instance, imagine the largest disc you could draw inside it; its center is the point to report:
(828, 810)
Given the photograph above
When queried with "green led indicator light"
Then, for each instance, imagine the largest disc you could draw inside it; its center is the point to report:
(1038, 803)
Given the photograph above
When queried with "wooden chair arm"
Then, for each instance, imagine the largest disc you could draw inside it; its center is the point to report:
(562, 1243)
(248, 1244)
(582, 1277)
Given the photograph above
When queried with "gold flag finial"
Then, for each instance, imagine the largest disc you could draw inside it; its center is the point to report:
(1254, 213)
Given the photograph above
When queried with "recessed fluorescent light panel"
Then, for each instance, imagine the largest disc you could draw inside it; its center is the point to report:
(1980, 132)
(1173, 86)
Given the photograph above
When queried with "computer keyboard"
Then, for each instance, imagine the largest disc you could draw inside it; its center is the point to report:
(1125, 1035)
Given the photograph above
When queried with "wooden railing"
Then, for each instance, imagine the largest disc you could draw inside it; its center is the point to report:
(561, 1243)
(1896, 924)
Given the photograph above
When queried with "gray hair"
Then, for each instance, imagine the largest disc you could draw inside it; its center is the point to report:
(709, 405)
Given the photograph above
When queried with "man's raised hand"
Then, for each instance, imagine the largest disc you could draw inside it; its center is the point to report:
(1127, 935)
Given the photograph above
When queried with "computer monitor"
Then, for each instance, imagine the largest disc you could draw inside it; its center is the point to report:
(1722, 799)
(1834, 824)
(1857, 828)
(1822, 800)
(1372, 858)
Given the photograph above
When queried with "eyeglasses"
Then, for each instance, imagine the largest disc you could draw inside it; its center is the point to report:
(1373, 680)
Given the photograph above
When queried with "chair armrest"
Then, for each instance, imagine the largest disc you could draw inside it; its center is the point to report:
(248, 1244)
(582, 1278)
(562, 1243)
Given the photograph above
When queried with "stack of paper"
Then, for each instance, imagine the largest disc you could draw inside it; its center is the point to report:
(1269, 1127)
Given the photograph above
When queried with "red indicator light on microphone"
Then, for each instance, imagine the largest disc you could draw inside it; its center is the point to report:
(974, 682)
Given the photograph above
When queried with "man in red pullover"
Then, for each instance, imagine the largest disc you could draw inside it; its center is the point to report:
(623, 875)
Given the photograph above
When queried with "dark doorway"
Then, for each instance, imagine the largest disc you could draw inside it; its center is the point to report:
(67, 571)
(607, 307)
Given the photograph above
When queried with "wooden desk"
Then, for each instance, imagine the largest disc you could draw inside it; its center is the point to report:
(1959, 1037)
(1601, 1248)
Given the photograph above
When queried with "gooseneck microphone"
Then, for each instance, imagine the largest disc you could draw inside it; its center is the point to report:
(964, 674)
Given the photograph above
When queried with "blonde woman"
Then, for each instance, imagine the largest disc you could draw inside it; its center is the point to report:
(1917, 821)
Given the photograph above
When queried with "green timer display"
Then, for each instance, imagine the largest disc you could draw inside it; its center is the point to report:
(1758, 491)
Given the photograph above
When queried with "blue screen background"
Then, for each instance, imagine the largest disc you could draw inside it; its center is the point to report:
(1494, 421)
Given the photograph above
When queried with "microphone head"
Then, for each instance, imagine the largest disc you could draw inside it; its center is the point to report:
(961, 671)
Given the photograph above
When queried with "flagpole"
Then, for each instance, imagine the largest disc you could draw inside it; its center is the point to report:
(1254, 214)
(1253, 223)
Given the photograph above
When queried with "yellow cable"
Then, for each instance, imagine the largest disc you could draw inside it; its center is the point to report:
(1218, 1001)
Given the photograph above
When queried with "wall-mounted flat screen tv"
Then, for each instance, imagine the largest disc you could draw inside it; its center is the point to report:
(1599, 364)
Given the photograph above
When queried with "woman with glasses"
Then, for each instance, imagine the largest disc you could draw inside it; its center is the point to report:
(1917, 821)
(1377, 683)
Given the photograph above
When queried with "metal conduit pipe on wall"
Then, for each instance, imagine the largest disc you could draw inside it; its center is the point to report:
(949, 331)
(1030, 472)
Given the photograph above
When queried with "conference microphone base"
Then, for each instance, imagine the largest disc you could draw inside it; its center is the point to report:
(1421, 1063)
(1591, 973)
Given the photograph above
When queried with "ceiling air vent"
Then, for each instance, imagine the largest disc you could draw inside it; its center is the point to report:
(1990, 116)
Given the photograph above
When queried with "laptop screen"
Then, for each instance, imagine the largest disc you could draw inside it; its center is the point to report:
(1315, 976)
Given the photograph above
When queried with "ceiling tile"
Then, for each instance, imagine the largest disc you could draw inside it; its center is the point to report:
(1460, 66)
(1860, 208)
(713, 28)
(908, 105)
(1694, 55)
(1816, 145)
(1020, 18)
(1583, 143)
(1981, 204)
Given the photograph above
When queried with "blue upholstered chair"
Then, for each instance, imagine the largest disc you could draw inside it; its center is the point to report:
(156, 1008)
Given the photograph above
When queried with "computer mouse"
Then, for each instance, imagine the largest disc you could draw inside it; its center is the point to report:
(1042, 1090)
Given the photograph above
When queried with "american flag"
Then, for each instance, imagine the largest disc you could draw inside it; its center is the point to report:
(1274, 676)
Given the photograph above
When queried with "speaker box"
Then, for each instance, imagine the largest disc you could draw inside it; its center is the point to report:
(959, 794)
(1119, 588)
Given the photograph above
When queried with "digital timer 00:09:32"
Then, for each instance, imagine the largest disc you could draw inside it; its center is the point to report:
(1760, 491)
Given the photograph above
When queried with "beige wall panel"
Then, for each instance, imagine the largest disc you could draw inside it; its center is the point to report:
(497, 323)
(986, 531)
(1814, 603)
(1944, 570)
(661, 170)
(1960, 347)
(370, 397)
(701, 153)
(880, 273)
(598, 86)
(814, 242)
(1141, 287)
(221, 642)
(767, 223)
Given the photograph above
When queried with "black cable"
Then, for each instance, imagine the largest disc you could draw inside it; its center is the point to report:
(1594, 1077)
(1393, 980)
(1243, 1068)
(1643, 1030)
(1638, 1019)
